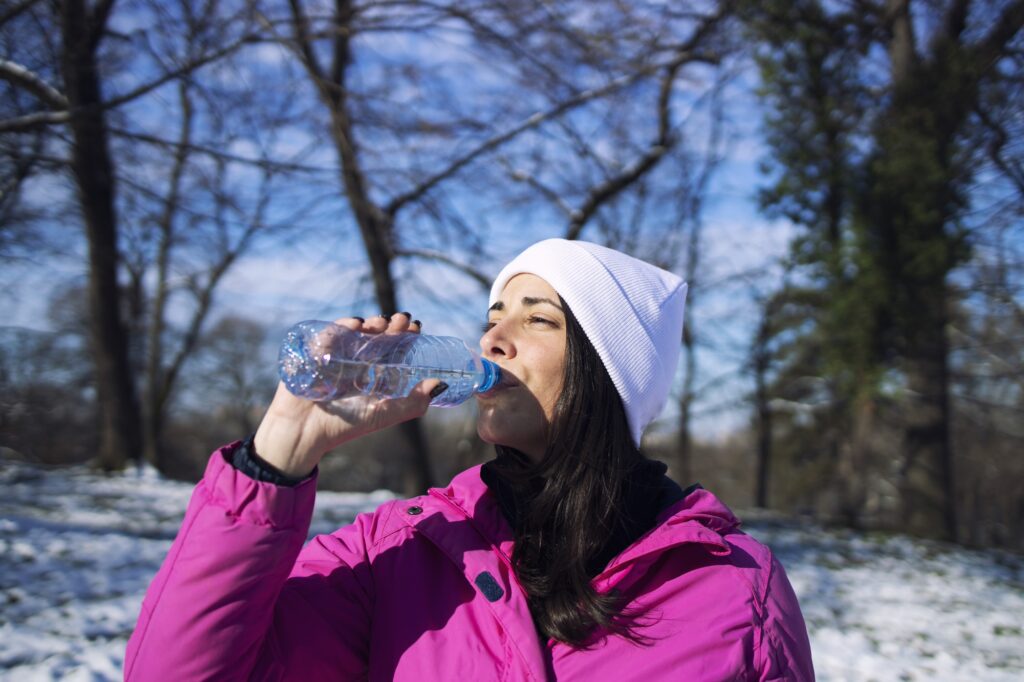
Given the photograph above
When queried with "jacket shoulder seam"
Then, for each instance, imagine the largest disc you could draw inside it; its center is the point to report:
(387, 533)
(768, 642)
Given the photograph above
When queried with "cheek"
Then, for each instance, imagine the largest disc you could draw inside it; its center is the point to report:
(549, 400)
(555, 374)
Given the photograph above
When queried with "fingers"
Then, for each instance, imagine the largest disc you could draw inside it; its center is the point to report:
(397, 410)
(392, 324)
(354, 323)
(425, 391)
(401, 322)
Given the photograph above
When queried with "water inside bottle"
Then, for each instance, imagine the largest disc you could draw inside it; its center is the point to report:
(320, 361)
(398, 380)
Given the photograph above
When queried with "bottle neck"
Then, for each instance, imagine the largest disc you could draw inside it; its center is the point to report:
(492, 375)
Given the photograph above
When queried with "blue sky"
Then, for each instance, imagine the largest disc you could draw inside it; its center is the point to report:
(324, 273)
(327, 276)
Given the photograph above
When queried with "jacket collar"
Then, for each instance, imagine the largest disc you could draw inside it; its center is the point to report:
(698, 517)
(464, 521)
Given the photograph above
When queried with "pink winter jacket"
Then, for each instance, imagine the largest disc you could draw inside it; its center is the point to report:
(423, 589)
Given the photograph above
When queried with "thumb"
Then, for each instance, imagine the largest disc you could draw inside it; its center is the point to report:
(415, 404)
(429, 389)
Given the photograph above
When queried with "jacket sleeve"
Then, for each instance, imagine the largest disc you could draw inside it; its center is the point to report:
(237, 596)
(784, 650)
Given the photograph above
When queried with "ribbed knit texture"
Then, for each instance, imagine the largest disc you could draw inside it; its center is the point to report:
(631, 311)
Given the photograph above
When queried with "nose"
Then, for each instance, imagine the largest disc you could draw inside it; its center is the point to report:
(496, 343)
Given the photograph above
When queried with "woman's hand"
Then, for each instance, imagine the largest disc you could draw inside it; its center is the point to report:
(296, 433)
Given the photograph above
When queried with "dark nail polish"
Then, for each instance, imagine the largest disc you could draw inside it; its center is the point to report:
(439, 389)
(386, 317)
(408, 316)
(361, 320)
(418, 323)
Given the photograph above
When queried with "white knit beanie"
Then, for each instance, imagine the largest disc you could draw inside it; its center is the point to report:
(631, 311)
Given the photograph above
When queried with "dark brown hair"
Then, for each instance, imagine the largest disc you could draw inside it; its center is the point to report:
(572, 499)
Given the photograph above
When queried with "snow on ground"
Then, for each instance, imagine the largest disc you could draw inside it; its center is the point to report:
(77, 551)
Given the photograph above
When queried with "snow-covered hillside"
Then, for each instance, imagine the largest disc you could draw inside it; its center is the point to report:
(77, 551)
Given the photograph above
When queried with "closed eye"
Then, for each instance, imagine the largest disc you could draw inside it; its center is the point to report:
(487, 326)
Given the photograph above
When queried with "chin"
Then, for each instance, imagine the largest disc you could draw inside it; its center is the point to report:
(486, 433)
(506, 434)
(505, 420)
(494, 430)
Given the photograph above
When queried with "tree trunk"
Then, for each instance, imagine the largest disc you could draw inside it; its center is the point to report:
(764, 443)
(851, 450)
(684, 458)
(927, 473)
(153, 412)
(375, 227)
(762, 358)
(120, 438)
(157, 388)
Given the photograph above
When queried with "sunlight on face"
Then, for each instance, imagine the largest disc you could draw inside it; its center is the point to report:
(525, 336)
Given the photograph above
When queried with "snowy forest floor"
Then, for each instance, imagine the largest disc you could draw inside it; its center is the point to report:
(77, 551)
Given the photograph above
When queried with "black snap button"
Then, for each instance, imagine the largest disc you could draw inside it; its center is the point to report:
(413, 511)
(489, 586)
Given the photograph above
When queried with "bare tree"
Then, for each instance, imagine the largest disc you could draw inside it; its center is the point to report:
(82, 29)
(185, 237)
(443, 119)
(413, 136)
(66, 79)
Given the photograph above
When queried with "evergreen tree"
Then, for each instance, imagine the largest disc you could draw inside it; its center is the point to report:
(871, 107)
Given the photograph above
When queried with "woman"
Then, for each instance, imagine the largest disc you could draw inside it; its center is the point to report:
(569, 556)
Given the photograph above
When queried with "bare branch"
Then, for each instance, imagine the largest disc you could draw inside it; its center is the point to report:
(263, 163)
(19, 76)
(445, 258)
(611, 187)
(342, 56)
(1013, 171)
(532, 122)
(302, 44)
(551, 195)
(38, 120)
(515, 47)
(993, 47)
(204, 293)
(183, 70)
(15, 10)
(23, 167)
(32, 122)
(956, 19)
(98, 21)
(158, 383)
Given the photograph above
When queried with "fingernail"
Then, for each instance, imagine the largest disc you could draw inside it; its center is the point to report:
(361, 320)
(439, 389)
(407, 315)
(418, 323)
(386, 317)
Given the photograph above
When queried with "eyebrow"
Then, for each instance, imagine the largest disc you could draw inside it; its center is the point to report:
(527, 301)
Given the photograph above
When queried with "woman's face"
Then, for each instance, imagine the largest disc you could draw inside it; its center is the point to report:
(525, 336)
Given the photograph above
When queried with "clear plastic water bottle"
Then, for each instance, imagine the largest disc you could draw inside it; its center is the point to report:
(325, 361)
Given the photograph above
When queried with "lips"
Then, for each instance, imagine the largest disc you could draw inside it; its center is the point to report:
(507, 381)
